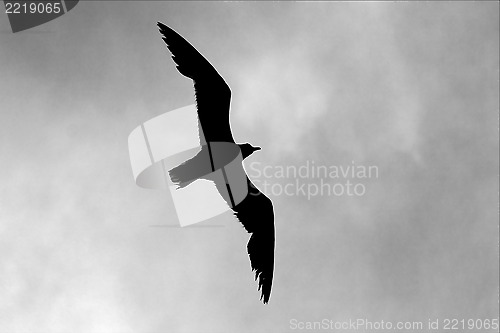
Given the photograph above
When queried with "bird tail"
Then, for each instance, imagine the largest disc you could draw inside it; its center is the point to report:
(192, 169)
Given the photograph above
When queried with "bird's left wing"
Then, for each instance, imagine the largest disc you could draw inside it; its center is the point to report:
(256, 214)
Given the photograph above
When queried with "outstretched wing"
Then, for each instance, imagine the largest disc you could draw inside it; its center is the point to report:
(256, 214)
(213, 95)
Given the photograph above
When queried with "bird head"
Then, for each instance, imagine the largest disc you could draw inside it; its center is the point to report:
(247, 149)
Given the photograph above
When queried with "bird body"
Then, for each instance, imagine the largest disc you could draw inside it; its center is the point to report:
(213, 96)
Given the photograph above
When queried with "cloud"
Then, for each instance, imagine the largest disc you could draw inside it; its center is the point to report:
(412, 88)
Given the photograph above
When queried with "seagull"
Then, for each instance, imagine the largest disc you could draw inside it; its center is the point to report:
(213, 96)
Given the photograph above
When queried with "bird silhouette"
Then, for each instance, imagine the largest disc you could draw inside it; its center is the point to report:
(213, 96)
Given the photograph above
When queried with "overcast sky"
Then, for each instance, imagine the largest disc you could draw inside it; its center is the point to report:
(411, 88)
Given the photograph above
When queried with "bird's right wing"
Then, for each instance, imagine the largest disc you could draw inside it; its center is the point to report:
(213, 95)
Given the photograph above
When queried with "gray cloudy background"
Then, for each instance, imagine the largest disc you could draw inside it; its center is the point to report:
(409, 87)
